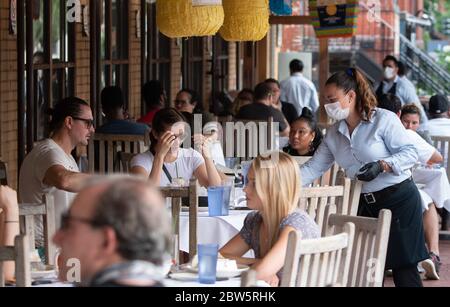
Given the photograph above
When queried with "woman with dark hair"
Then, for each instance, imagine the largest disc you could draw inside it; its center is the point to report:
(244, 97)
(188, 103)
(166, 162)
(372, 145)
(305, 136)
(411, 119)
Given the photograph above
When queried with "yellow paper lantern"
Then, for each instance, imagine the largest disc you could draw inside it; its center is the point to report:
(180, 18)
(245, 20)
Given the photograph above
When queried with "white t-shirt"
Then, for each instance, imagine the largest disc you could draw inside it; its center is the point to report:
(424, 150)
(31, 186)
(183, 167)
(439, 127)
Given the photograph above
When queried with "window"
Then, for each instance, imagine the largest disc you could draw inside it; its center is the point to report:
(48, 55)
(219, 69)
(193, 65)
(114, 45)
(156, 58)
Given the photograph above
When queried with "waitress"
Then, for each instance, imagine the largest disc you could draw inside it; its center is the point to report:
(371, 144)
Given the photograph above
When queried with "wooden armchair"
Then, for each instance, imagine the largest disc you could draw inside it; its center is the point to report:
(103, 150)
(27, 213)
(319, 202)
(20, 254)
(368, 255)
(176, 194)
(318, 262)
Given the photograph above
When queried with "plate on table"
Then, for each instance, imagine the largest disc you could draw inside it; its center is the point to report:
(223, 274)
(183, 276)
(48, 273)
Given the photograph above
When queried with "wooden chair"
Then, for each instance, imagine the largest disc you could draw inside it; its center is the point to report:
(176, 194)
(442, 144)
(246, 139)
(27, 213)
(125, 161)
(368, 255)
(319, 202)
(103, 149)
(20, 254)
(318, 262)
(3, 173)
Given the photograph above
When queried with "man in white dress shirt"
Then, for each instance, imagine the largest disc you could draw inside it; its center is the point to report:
(298, 90)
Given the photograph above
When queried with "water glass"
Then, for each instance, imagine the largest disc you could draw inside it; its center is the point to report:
(219, 200)
(207, 263)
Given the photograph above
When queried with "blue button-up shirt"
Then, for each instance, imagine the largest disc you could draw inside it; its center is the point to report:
(381, 138)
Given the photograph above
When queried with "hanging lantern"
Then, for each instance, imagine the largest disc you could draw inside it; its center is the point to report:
(245, 20)
(281, 7)
(187, 18)
(334, 18)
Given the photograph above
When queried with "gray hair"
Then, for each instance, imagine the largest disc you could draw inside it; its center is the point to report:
(141, 222)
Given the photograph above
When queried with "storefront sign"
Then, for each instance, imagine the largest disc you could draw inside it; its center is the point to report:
(334, 18)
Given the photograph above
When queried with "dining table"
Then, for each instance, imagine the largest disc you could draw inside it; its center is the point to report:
(434, 186)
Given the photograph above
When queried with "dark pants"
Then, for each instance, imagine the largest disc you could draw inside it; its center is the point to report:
(407, 277)
(406, 245)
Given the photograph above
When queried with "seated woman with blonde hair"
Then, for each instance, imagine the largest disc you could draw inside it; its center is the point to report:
(273, 190)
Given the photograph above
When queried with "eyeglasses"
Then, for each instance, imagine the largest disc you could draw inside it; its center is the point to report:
(89, 122)
(66, 218)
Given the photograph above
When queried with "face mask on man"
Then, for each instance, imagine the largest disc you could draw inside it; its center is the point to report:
(336, 112)
(389, 73)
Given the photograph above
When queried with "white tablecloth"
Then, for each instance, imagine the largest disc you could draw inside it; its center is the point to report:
(433, 186)
(218, 229)
(229, 283)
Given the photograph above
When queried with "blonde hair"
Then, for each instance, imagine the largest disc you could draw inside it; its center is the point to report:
(278, 185)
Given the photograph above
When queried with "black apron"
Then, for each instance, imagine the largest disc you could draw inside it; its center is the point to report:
(406, 245)
(392, 91)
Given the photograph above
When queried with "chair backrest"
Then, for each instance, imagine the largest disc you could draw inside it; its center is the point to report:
(20, 254)
(442, 144)
(27, 214)
(318, 202)
(176, 194)
(368, 255)
(246, 139)
(103, 149)
(318, 262)
(124, 161)
(3, 173)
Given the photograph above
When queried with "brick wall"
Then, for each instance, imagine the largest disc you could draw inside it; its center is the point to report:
(8, 95)
(175, 69)
(135, 63)
(82, 61)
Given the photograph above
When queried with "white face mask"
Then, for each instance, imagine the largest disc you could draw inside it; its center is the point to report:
(336, 112)
(389, 73)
